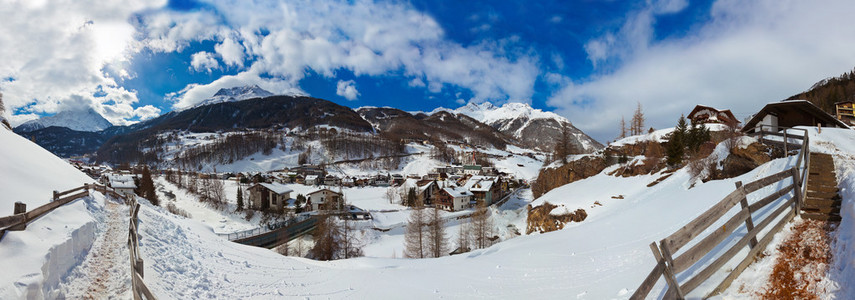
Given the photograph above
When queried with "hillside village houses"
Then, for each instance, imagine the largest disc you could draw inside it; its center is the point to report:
(270, 196)
(316, 200)
(122, 182)
(454, 198)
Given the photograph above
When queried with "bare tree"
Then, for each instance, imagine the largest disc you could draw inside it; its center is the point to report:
(622, 128)
(415, 238)
(352, 244)
(482, 227)
(327, 237)
(637, 122)
(437, 239)
(464, 237)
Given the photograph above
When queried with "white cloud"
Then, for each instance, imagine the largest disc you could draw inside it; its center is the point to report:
(347, 89)
(749, 54)
(204, 61)
(284, 40)
(56, 50)
(195, 93)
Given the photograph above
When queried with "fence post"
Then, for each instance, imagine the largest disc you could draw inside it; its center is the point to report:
(749, 222)
(669, 272)
(55, 195)
(797, 190)
(20, 208)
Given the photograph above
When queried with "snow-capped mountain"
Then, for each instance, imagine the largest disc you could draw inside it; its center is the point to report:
(237, 93)
(79, 120)
(533, 128)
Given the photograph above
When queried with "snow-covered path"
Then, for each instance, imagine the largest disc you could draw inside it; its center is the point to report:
(105, 272)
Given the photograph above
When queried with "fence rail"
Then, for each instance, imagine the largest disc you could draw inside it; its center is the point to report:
(19, 221)
(669, 265)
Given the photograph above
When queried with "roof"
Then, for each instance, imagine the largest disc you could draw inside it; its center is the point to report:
(276, 187)
(480, 183)
(793, 107)
(311, 177)
(321, 190)
(713, 114)
(123, 184)
(472, 167)
(457, 192)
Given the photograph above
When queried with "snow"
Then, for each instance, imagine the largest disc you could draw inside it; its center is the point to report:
(81, 120)
(29, 173)
(658, 136)
(277, 188)
(235, 94)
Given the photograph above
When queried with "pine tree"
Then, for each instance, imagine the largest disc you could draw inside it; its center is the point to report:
(437, 239)
(415, 237)
(239, 198)
(146, 188)
(411, 197)
(675, 149)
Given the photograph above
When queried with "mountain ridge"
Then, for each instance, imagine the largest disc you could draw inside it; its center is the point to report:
(78, 120)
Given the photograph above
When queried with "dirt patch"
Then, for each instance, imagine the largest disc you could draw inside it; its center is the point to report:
(541, 219)
(802, 262)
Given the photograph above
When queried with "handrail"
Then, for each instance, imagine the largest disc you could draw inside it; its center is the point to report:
(138, 287)
(668, 265)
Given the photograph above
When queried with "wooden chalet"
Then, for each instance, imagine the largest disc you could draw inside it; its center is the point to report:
(315, 200)
(453, 198)
(269, 196)
(485, 188)
(708, 115)
(845, 112)
(790, 114)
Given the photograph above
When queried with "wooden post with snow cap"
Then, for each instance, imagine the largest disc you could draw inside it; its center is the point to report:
(55, 195)
(20, 208)
(786, 141)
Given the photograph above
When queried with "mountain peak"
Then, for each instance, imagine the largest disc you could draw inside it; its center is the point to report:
(86, 119)
(237, 93)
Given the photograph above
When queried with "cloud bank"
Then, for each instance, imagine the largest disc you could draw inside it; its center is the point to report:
(748, 54)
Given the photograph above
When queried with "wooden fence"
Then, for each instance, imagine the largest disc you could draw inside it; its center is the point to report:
(19, 221)
(140, 291)
(670, 265)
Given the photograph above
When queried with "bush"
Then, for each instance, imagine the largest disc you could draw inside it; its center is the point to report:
(170, 207)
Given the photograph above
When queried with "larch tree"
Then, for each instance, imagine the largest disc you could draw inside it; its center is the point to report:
(637, 122)
(482, 226)
(327, 237)
(463, 237)
(622, 128)
(352, 245)
(415, 237)
(437, 239)
(239, 198)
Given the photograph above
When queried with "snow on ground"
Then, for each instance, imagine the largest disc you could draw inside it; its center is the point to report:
(221, 221)
(28, 173)
(659, 136)
(840, 143)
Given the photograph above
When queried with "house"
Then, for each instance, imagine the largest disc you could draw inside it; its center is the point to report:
(708, 115)
(331, 180)
(312, 180)
(791, 113)
(299, 179)
(316, 199)
(453, 198)
(845, 111)
(397, 179)
(269, 196)
(122, 184)
(426, 190)
(348, 181)
(485, 188)
(472, 169)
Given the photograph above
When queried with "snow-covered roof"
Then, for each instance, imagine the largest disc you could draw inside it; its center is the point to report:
(123, 184)
(311, 177)
(480, 183)
(321, 190)
(457, 192)
(276, 188)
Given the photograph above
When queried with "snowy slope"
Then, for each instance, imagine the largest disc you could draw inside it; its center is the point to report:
(235, 94)
(79, 120)
(36, 261)
(28, 173)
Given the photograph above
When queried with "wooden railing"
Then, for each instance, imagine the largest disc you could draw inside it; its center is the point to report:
(670, 263)
(140, 291)
(18, 221)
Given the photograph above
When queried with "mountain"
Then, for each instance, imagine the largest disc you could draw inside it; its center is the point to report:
(236, 94)
(828, 91)
(291, 112)
(531, 128)
(79, 120)
(443, 126)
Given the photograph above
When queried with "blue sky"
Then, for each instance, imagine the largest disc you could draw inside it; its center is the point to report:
(590, 61)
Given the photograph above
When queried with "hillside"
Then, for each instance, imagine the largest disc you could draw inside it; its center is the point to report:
(828, 91)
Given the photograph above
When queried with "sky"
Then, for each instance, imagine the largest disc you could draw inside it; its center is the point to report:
(590, 61)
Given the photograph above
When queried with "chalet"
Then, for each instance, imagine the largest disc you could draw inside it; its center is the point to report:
(485, 188)
(397, 179)
(269, 196)
(316, 199)
(791, 113)
(299, 179)
(312, 180)
(845, 111)
(708, 115)
(425, 189)
(331, 180)
(122, 184)
(453, 198)
(348, 181)
(381, 180)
